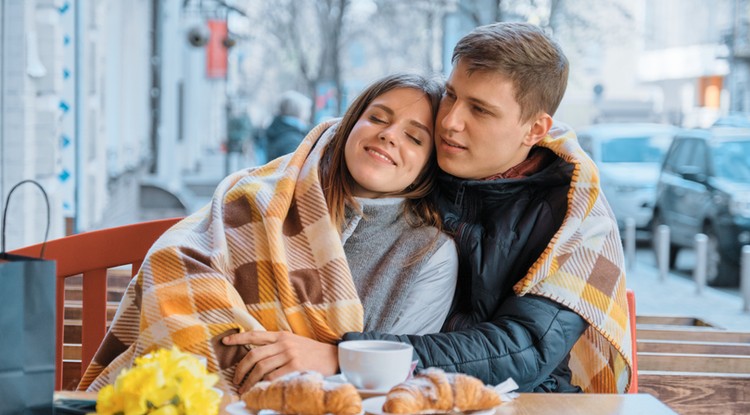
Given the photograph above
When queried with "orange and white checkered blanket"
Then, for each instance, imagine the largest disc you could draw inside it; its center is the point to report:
(582, 268)
(264, 255)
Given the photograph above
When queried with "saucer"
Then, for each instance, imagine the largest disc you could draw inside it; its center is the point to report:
(364, 393)
(236, 408)
(239, 408)
(374, 406)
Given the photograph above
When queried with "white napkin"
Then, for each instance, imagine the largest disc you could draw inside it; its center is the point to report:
(505, 390)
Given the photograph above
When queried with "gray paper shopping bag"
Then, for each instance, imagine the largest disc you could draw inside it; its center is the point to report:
(27, 331)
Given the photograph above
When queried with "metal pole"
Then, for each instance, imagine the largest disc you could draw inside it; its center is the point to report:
(3, 28)
(745, 277)
(699, 272)
(662, 251)
(79, 108)
(630, 243)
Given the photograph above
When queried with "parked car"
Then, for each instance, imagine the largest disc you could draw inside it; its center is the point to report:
(629, 157)
(704, 187)
(734, 119)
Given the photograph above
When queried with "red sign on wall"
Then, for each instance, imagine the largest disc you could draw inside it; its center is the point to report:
(216, 52)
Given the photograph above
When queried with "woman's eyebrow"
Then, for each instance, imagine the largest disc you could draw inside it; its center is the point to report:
(384, 108)
(412, 122)
(420, 126)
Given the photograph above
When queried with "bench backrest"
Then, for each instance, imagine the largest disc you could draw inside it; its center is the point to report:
(92, 254)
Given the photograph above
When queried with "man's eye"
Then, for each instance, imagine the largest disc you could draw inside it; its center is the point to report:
(480, 110)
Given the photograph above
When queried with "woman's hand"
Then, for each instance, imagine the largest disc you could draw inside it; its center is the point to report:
(277, 353)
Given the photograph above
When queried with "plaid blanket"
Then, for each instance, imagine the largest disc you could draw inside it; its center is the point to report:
(264, 255)
(582, 268)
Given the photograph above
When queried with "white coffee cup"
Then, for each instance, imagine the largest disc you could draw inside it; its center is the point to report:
(375, 364)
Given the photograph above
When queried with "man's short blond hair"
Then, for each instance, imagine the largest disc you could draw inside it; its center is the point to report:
(523, 53)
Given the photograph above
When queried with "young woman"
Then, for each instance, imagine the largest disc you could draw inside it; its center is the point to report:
(377, 172)
(338, 236)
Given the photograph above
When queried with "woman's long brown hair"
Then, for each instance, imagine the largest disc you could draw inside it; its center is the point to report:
(336, 178)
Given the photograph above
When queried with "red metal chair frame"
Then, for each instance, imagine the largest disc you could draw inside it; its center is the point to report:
(91, 254)
(631, 320)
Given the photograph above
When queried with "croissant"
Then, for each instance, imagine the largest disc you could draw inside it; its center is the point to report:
(436, 391)
(303, 393)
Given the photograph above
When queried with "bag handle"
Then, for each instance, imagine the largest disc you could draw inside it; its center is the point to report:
(5, 213)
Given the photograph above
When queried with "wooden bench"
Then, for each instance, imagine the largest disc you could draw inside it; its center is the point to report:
(696, 393)
(698, 334)
(117, 281)
(682, 321)
(700, 363)
(692, 366)
(692, 347)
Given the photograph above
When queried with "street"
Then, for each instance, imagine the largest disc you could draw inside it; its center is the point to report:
(683, 268)
(678, 296)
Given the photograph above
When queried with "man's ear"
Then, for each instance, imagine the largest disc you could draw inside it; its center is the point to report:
(539, 129)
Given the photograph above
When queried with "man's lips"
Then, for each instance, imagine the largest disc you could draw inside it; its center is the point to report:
(381, 154)
(452, 143)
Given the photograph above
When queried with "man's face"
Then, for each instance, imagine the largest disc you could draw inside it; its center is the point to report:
(478, 129)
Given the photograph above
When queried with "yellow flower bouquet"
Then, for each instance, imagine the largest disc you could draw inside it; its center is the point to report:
(166, 382)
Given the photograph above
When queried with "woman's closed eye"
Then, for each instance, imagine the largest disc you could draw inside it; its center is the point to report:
(414, 138)
(377, 120)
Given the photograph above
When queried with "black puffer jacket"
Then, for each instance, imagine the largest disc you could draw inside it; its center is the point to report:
(501, 227)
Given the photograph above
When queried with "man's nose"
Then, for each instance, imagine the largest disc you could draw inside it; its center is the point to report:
(452, 119)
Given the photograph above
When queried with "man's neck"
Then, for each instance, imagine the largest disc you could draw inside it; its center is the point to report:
(534, 162)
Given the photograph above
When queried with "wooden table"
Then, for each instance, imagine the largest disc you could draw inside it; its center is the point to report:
(584, 404)
(547, 404)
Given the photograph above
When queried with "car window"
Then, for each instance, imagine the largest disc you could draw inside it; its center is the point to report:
(635, 149)
(698, 155)
(678, 156)
(731, 160)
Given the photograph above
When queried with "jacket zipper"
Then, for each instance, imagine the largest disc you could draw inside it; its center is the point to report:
(459, 195)
(458, 202)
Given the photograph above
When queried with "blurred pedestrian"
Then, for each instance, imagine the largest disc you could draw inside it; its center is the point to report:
(289, 126)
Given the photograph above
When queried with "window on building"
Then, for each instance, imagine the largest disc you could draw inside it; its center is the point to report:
(709, 91)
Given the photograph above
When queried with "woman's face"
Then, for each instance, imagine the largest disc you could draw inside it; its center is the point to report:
(390, 143)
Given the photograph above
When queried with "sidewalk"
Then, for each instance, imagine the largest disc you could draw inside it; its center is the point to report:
(677, 296)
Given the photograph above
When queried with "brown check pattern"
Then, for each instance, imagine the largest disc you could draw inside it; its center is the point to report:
(264, 255)
(582, 268)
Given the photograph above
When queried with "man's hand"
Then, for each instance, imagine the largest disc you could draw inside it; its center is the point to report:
(277, 353)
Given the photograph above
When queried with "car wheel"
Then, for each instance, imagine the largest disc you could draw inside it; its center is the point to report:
(719, 271)
(673, 249)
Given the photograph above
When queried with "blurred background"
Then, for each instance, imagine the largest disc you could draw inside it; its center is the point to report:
(133, 110)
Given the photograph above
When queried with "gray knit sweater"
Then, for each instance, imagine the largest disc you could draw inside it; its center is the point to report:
(399, 295)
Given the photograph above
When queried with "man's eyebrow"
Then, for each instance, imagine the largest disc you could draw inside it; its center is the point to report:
(474, 100)
(412, 122)
(485, 104)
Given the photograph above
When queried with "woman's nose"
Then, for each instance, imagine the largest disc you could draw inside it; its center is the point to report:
(388, 136)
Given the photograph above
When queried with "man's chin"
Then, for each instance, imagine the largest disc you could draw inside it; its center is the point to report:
(454, 167)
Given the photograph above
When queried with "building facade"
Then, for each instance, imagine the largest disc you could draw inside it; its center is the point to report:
(691, 52)
(97, 99)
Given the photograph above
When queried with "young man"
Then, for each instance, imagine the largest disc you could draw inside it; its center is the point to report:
(541, 291)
